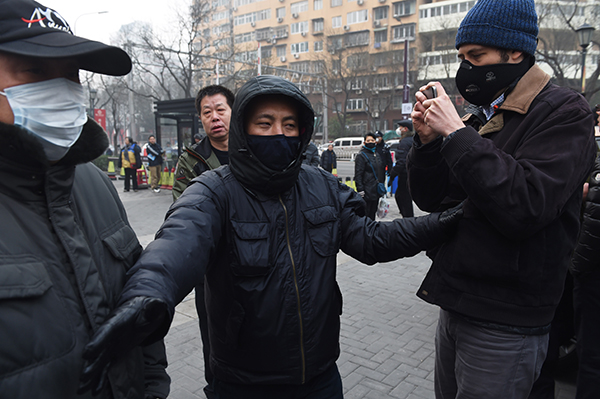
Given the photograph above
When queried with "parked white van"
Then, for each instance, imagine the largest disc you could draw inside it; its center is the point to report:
(347, 147)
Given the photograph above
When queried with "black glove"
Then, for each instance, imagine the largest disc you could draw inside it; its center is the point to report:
(449, 219)
(132, 324)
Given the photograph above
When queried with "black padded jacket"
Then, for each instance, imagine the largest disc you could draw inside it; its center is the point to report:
(268, 252)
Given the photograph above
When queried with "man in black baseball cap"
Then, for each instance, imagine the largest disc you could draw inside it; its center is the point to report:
(65, 240)
(30, 29)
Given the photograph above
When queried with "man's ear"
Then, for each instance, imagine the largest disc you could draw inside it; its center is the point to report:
(515, 57)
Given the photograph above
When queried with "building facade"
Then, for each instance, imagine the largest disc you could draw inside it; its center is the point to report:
(348, 55)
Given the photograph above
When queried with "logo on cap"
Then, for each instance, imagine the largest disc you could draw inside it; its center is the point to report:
(46, 20)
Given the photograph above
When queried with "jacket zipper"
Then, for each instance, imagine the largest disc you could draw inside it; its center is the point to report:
(287, 236)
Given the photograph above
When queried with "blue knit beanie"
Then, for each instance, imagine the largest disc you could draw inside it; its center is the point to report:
(507, 24)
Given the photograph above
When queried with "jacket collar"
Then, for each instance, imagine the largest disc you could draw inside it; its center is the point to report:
(24, 162)
(531, 84)
(202, 150)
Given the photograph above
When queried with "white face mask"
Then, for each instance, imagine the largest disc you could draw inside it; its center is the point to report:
(53, 110)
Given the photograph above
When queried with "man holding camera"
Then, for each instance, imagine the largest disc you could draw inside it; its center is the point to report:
(517, 161)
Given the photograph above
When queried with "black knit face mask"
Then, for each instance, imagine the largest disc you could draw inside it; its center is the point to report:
(480, 84)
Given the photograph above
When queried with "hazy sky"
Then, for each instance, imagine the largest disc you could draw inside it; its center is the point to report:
(160, 13)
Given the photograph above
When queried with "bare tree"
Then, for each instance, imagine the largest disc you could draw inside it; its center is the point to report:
(558, 44)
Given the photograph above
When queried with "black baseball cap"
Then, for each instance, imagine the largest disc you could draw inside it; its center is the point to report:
(406, 123)
(31, 29)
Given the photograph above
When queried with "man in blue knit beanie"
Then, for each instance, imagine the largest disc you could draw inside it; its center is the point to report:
(517, 161)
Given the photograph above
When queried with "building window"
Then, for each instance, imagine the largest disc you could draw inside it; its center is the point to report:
(280, 32)
(380, 13)
(357, 61)
(263, 14)
(381, 36)
(299, 7)
(280, 12)
(335, 42)
(299, 27)
(356, 17)
(446, 10)
(236, 3)
(244, 38)
(303, 66)
(404, 32)
(404, 8)
(336, 22)
(220, 15)
(356, 39)
(318, 46)
(318, 5)
(355, 104)
(318, 25)
(266, 52)
(301, 47)
(281, 51)
(318, 66)
(336, 3)
(381, 82)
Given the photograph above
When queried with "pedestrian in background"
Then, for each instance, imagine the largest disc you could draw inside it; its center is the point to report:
(517, 161)
(586, 290)
(329, 159)
(311, 155)
(366, 165)
(155, 161)
(130, 160)
(66, 244)
(265, 230)
(385, 157)
(402, 194)
(213, 104)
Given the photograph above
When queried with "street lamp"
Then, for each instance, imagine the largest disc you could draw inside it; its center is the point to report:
(82, 15)
(93, 95)
(584, 35)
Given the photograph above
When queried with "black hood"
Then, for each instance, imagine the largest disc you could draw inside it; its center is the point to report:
(244, 165)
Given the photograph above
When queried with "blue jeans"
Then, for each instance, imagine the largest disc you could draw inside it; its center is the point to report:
(473, 362)
(327, 385)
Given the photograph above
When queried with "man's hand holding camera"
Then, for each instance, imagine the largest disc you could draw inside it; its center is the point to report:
(435, 116)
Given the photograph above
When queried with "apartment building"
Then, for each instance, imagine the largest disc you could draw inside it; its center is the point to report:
(349, 54)
(351, 49)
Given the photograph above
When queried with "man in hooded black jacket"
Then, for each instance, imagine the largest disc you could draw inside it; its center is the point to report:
(265, 231)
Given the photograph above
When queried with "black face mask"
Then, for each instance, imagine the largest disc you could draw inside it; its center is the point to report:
(480, 84)
(275, 152)
(370, 146)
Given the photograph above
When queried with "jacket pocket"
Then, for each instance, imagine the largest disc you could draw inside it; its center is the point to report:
(35, 324)
(251, 241)
(122, 243)
(323, 229)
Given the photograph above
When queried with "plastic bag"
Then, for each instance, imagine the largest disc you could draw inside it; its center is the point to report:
(383, 207)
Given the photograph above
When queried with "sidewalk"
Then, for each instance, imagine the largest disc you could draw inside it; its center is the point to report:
(387, 334)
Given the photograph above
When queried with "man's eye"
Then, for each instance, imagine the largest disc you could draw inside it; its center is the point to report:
(35, 71)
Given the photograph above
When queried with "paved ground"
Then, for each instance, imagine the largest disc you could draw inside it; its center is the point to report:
(387, 332)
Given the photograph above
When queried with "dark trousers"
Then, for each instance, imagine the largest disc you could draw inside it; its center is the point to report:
(203, 322)
(371, 209)
(586, 299)
(130, 174)
(327, 385)
(403, 198)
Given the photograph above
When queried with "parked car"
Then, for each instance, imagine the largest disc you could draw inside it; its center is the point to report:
(347, 147)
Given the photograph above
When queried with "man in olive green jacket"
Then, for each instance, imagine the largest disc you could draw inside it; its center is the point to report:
(213, 104)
